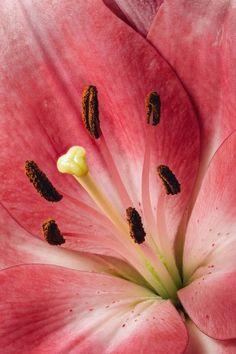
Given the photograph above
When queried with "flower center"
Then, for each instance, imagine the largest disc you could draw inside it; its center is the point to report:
(151, 255)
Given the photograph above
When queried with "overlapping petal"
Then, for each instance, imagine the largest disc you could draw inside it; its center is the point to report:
(210, 238)
(79, 312)
(198, 40)
(17, 246)
(138, 14)
(210, 303)
(209, 253)
(199, 343)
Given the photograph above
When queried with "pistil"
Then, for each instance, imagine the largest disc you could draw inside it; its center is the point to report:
(74, 162)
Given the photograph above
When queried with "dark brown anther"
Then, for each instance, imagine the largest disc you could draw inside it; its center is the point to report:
(41, 183)
(51, 233)
(90, 112)
(153, 108)
(169, 180)
(135, 225)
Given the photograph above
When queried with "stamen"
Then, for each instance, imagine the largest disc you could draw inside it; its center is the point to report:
(41, 183)
(169, 180)
(51, 233)
(153, 108)
(92, 123)
(135, 225)
(90, 112)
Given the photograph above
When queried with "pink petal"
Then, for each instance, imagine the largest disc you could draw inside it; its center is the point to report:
(17, 246)
(210, 303)
(210, 240)
(199, 343)
(51, 309)
(197, 38)
(49, 53)
(138, 14)
(84, 228)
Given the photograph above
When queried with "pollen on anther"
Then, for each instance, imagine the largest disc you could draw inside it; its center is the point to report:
(169, 180)
(41, 183)
(51, 233)
(136, 229)
(90, 111)
(153, 108)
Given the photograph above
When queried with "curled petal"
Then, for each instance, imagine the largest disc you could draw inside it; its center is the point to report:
(210, 303)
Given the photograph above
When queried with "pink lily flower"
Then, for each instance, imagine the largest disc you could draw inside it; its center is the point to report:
(143, 257)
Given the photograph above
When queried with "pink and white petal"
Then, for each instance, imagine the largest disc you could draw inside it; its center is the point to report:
(210, 243)
(72, 48)
(18, 246)
(198, 39)
(138, 14)
(52, 309)
(199, 343)
(210, 303)
(84, 228)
